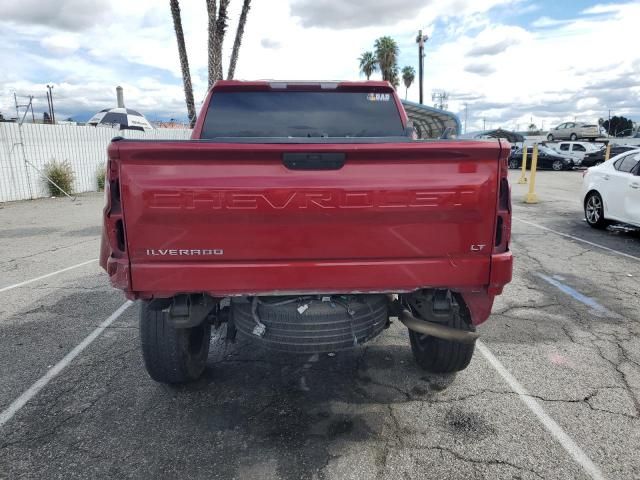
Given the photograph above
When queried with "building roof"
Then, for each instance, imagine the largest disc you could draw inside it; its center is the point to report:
(431, 122)
(511, 137)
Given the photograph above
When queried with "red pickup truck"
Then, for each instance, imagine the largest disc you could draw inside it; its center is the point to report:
(305, 216)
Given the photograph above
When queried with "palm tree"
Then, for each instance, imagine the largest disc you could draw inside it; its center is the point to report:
(408, 76)
(236, 44)
(211, 50)
(387, 55)
(184, 62)
(368, 64)
(220, 29)
(395, 78)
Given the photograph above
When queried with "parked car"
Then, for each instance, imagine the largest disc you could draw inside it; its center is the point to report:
(547, 158)
(575, 150)
(268, 210)
(592, 159)
(611, 191)
(574, 131)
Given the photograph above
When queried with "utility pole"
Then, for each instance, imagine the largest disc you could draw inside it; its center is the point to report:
(48, 106)
(466, 116)
(53, 113)
(420, 41)
(484, 124)
(26, 106)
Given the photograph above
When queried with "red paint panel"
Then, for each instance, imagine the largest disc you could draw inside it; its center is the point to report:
(244, 278)
(231, 219)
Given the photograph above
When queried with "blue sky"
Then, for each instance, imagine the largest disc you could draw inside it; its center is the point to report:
(508, 61)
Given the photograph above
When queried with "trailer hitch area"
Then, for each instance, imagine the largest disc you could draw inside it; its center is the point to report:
(434, 308)
(186, 311)
(436, 305)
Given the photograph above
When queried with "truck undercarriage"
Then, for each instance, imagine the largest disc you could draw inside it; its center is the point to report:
(175, 332)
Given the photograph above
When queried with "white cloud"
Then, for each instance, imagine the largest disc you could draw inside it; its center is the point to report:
(480, 68)
(269, 43)
(505, 72)
(61, 43)
(61, 14)
(545, 74)
(605, 8)
(496, 39)
(544, 22)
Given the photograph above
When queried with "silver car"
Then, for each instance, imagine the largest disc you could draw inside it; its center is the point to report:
(574, 131)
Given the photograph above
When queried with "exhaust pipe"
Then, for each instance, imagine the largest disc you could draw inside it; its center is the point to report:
(436, 330)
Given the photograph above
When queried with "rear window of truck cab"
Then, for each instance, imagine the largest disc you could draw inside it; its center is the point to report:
(295, 114)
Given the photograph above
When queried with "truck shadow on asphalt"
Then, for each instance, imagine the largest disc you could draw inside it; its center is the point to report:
(302, 411)
(254, 413)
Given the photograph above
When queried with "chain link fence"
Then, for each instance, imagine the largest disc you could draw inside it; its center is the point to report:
(26, 149)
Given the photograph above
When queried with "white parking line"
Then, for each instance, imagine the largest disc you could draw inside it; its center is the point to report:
(33, 390)
(42, 277)
(549, 423)
(578, 239)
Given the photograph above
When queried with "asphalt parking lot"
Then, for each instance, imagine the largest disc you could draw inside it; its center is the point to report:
(553, 390)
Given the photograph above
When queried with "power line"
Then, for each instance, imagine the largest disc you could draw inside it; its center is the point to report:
(440, 98)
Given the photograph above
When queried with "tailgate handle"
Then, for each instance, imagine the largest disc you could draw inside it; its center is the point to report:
(314, 161)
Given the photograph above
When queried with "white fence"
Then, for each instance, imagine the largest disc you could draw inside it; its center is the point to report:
(85, 148)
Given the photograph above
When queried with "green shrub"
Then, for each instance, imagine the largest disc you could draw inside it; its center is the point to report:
(100, 176)
(62, 174)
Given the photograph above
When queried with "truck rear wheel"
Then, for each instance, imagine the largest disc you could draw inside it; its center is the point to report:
(172, 355)
(443, 356)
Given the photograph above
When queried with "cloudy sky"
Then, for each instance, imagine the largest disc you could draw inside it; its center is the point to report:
(509, 61)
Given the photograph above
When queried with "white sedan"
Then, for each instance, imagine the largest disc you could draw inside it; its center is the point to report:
(611, 191)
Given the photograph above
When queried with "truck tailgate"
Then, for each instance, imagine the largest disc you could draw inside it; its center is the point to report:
(233, 219)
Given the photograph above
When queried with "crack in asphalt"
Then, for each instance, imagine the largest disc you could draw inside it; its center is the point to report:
(622, 358)
(479, 461)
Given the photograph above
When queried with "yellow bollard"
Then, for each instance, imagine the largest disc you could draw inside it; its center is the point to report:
(607, 152)
(531, 197)
(523, 175)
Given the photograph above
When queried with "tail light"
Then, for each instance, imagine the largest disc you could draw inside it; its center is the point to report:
(113, 257)
(114, 225)
(501, 259)
(503, 209)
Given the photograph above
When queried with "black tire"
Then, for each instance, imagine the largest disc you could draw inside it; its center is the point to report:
(443, 356)
(550, 138)
(557, 165)
(573, 137)
(513, 163)
(594, 211)
(172, 355)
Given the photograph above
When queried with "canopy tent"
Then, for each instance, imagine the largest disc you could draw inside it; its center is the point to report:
(431, 122)
(511, 137)
(126, 118)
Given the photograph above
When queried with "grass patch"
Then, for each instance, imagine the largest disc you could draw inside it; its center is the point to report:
(62, 174)
(100, 176)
